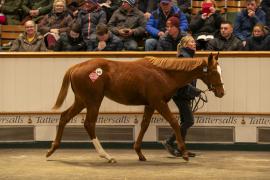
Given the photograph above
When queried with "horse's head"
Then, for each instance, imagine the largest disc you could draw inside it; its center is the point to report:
(212, 76)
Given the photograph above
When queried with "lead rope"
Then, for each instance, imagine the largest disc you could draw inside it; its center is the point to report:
(195, 103)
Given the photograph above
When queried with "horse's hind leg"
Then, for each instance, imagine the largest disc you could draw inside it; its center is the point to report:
(164, 110)
(90, 126)
(148, 112)
(66, 116)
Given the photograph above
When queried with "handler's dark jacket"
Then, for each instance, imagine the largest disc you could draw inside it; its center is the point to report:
(222, 44)
(189, 91)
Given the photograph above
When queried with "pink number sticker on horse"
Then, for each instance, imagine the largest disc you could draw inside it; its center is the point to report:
(95, 74)
(149, 81)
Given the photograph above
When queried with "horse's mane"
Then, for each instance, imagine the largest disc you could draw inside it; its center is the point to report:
(185, 64)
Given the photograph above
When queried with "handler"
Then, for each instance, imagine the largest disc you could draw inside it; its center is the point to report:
(183, 97)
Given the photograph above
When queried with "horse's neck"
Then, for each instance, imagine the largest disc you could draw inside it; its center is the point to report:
(184, 77)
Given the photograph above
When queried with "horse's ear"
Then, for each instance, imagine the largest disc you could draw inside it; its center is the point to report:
(216, 56)
(210, 60)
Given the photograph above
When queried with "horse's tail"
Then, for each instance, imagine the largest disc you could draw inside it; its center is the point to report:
(64, 90)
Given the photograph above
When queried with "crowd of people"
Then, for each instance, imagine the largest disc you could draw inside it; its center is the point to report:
(115, 25)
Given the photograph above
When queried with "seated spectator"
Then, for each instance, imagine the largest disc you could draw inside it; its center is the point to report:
(265, 5)
(56, 22)
(156, 25)
(205, 25)
(30, 40)
(105, 40)
(172, 37)
(109, 6)
(147, 6)
(128, 23)
(11, 10)
(259, 41)
(89, 16)
(226, 40)
(246, 19)
(35, 10)
(71, 40)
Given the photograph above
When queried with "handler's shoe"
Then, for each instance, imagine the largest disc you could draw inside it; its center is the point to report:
(178, 153)
(169, 147)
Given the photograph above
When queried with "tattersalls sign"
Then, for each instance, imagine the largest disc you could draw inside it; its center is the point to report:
(133, 119)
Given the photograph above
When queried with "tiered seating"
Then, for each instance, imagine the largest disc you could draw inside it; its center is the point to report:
(9, 33)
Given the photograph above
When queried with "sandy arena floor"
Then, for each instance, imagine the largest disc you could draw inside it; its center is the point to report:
(69, 164)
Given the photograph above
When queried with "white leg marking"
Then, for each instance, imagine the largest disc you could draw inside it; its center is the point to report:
(102, 153)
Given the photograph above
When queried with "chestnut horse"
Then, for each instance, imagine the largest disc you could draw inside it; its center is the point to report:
(148, 81)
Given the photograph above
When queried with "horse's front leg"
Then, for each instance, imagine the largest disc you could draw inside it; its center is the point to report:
(148, 112)
(90, 126)
(164, 110)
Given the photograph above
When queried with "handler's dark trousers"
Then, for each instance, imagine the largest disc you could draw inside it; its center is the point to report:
(186, 117)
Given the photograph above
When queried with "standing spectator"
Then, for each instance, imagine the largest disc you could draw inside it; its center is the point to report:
(259, 41)
(172, 36)
(156, 25)
(247, 19)
(35, 10)
(30, 40)
(71, 40)
(265, 5)
(89, 16)
(105, 40)
(12, 11)
(128, 23)
(226, 40)
(205, 25)
(56, 22)
(147, 6)
(183, 98)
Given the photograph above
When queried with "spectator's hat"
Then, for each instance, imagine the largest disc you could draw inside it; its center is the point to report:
(165, 1)
(91, 1)
(132, 3)
(174, 21)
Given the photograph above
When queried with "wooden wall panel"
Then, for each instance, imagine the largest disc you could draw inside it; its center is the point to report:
(33, 83)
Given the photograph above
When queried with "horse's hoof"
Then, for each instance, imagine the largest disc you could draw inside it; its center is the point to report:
(142, 158)
(112, 161)
(185, 157)
(49, 153)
